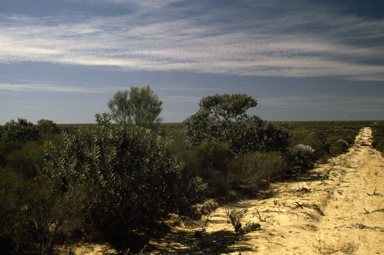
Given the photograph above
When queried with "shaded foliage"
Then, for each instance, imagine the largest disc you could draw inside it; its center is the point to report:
(254, 171)
(223, 118)
(25, 159)
(21, 147)
(211, 162)
(132, 178)
(30, 215)
(47, 128)
(119, 106)
(21, 131)
(378, 136)
(139, 105)
(145, 107)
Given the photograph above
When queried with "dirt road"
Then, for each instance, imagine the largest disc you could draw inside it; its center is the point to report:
(338, 208)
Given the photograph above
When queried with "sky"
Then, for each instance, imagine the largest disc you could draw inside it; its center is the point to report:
(302, 60)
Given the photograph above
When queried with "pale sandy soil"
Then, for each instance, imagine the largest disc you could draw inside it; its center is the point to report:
(338, 208)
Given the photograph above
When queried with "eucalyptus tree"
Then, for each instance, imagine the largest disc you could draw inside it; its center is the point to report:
(119, 106)
(139, 106)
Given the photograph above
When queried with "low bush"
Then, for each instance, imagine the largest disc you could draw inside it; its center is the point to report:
(300, 159)
(378, 136)
(234, 216)
(211, 162)
(327, 248)
(27, 160)
(255, 170)
(129, 177)
(22, 131)
(339, 147)
(30, 216)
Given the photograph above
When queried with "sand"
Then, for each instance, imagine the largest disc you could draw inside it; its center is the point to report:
(338, 208)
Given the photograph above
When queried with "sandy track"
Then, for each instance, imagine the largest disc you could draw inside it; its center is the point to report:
(337, 207)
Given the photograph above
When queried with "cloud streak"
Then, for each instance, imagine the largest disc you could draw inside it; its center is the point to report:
(346, 104)
(48, 88)
(305, 41)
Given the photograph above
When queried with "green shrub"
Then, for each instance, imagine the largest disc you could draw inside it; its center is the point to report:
(131, 178)
(254, 171)
(300, 159)
(379, 144)
(339, 147)
(27, 160)
(378, 136)
(1, 132)
(7, 147)
(22, 131)
(214, 155)
(223, 119)
(27, 215)
(326, 137)
(210, 161)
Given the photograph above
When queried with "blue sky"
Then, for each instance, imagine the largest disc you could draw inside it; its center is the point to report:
(302, 60)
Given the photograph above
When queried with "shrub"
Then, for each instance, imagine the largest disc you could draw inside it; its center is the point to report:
(214, 155)
(129, 174)
(326, 248)
(25, 161)
(223, 119)
(1, 132)
(339, 147)
(22, 131)
(234, 217)
(254, 171)
(211, 161)
(47, 128)
(27, 215)
(378, 136)
(309, 137)
(300, 159)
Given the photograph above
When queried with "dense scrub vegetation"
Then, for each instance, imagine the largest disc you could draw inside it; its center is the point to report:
(62, 184)
(378, 136)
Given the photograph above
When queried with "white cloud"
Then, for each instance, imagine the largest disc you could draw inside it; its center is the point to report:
(275, 46)
(48, 88)
(344, 104)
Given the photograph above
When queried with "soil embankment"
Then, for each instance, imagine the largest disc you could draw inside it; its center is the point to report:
(338, 208)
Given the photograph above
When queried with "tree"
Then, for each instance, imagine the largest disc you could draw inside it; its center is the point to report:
(223, 118)
(145, 107)
(119, 106)
(139, 106)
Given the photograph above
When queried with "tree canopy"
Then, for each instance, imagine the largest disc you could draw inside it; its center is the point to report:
(119, 106)
(223, 118)
(139, 106)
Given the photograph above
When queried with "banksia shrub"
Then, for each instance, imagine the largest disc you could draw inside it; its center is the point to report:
(129, 175)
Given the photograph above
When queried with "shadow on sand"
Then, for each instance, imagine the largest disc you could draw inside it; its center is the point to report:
(218, 242)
